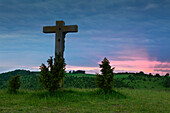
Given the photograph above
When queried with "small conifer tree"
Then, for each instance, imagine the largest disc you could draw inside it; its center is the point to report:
(167, 82)
(52, 77)
(14, 84)
(105, 80)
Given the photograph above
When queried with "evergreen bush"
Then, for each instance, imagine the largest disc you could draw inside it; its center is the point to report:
(52, 77)
(14, 84)
(105, 80)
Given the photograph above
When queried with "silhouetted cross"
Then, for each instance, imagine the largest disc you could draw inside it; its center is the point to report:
(60, 31)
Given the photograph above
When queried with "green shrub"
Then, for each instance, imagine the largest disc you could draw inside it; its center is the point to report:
(105, 80)
(14, 84)
(167, 82)
(52, 77)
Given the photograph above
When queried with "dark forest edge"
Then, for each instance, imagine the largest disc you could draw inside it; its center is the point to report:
(29, 80)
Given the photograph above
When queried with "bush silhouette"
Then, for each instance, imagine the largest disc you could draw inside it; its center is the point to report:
(157, 75)
(167, 74)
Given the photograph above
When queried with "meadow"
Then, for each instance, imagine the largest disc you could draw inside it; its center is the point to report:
(86, 101)
(132, 94)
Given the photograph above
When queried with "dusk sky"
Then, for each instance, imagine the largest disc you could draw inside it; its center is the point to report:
(133, 34)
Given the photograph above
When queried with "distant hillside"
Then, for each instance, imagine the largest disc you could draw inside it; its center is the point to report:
(29, 80)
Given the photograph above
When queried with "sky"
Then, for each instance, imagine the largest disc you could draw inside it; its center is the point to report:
(134, 35)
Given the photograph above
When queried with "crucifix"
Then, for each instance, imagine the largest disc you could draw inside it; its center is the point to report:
(60, 31)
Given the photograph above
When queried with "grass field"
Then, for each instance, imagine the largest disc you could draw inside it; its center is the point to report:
(29, 80)
(86, 101)
(133, 94)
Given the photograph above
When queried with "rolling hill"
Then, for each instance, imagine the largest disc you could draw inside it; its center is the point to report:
(29, 80)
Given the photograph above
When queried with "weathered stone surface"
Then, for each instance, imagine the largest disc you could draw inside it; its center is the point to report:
(73, 28)
(60, 31)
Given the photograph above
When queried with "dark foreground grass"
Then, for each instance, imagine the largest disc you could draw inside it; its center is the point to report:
(86, 100)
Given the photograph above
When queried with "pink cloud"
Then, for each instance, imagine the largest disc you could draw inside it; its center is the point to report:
(137, 59)
(131, 59)
(138, 64)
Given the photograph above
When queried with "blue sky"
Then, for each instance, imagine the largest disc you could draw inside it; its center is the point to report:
(133, 34)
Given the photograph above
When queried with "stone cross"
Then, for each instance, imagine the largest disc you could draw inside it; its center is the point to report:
(60, 31)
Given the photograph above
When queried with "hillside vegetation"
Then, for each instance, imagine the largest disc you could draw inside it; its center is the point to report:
(133, 93)
(29, 80)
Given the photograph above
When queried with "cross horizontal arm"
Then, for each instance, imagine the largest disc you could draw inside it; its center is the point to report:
(71, 28)
(49, 29)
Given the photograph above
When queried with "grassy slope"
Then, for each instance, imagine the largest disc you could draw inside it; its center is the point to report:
(86, 100)
(80, 75)
(143, 82)
(137, 83)
(29, 80)
(93, 75)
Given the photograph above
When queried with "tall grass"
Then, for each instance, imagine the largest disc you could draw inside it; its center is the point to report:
(86, 100)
